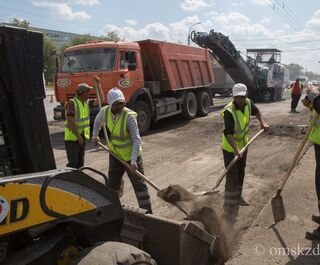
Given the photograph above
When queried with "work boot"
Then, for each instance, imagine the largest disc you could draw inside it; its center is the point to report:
(243, 202)
(314, 235)
(291, 111)
(294, 111)
(316, 218)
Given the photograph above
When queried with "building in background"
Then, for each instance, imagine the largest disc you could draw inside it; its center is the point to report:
(59, 37)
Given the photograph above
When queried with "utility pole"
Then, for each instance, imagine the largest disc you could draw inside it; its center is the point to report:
(189, 32)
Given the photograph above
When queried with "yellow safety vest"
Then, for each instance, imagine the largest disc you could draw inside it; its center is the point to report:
(292, 86)
(314, 136)
(120, 139)
(82, 121)
(241, 126)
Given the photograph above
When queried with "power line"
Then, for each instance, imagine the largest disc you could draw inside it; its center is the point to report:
(283, 7)
(282, 41)
(273, 6)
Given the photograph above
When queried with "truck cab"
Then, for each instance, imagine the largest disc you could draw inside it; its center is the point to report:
(108, 60)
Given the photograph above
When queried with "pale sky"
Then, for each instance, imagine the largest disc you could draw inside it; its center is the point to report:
(291, 26)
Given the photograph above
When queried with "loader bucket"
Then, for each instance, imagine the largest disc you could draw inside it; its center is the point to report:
(168, 241)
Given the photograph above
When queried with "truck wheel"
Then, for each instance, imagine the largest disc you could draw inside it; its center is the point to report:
(144, 116)
(189, 106)
(114, 253)
(203, 102)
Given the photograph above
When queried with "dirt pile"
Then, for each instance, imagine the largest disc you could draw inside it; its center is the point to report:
(200, 210)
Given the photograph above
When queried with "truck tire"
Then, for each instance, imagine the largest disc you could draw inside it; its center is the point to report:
(144, 116)
(203, 102)
(114, 253)
(189, 106)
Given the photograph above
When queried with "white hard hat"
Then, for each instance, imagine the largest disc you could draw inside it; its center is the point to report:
(115, 95)
(239, 90)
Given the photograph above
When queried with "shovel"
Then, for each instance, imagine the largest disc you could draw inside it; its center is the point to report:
(230, 165)
(139, 174)
(277, 205)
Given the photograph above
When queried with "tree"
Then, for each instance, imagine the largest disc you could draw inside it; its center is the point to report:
(295, 70)
(48, 47)
(112, 36)
(82, 39)
(20, 23)
(49, 60)
(312, 76)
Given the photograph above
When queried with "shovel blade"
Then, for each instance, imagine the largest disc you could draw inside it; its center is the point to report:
(278, 210)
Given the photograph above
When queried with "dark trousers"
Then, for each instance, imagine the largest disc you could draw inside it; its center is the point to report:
(234, 178)
(115, 174)
(75, 153)
(317, 177)
(294, 101)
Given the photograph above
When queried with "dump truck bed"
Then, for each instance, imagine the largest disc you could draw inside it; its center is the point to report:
(175, 66)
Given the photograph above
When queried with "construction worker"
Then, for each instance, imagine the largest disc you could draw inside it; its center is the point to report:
(312, 101)
(296, 91)
(125, 143)
(236, 117)
(77, 128)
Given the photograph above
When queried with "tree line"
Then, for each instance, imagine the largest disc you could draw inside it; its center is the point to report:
(297, 70)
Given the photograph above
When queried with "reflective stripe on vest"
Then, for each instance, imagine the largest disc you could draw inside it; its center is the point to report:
(120, 140)
(82, 121)
(314, 136)
(241, 125)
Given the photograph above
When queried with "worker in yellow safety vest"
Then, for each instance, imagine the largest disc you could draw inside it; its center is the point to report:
(296, 92)
(312, 101)
(77, 124)
(122, 128)
(236, 117)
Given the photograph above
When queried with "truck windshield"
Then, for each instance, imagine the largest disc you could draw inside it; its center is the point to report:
(89, 60)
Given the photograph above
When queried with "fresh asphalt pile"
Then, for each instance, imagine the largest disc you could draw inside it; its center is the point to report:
(200, 211)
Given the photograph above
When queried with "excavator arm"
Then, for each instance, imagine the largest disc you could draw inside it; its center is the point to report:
(225, 52)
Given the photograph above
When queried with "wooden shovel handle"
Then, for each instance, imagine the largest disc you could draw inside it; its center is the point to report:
(235, 159)
(96, 83)
(302, 144)
(139, 174)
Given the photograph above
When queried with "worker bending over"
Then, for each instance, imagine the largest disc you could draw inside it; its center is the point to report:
(123, 132)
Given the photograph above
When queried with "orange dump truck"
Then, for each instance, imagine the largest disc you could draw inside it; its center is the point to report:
(159, 79)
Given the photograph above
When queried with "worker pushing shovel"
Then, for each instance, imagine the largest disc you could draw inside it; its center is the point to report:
(312, 101)
(119, 162)
(115, 119)
(235, 143)
(121, 125)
